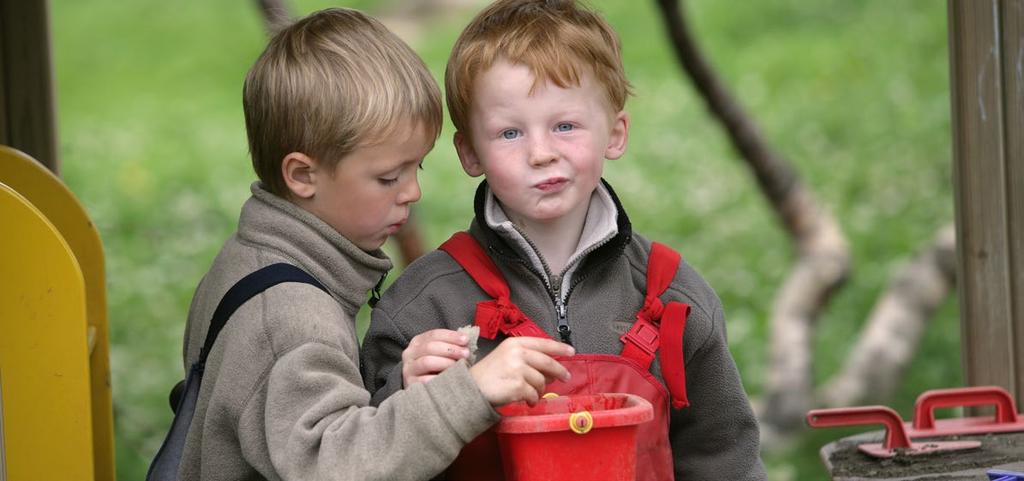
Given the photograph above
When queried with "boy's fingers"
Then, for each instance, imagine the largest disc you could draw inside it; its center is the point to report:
(531, 396)
(435, 348)
(535, 379)
(546, 366)
(431, 364)
(550, 347)
(447, 336)
(445, 349)
(437, 342)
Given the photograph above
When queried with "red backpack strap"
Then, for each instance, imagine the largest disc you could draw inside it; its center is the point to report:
(673, 366)
(499, 314)
(659, 325)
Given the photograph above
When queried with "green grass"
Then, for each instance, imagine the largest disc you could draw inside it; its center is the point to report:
(854, 94)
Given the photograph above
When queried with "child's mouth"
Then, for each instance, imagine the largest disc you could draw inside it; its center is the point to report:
(394, 228)
(553, 184)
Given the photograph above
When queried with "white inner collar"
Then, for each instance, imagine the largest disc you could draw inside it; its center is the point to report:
(600, 226)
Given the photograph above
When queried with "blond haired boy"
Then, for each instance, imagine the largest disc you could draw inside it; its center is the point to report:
(340, 114)
(536, 90)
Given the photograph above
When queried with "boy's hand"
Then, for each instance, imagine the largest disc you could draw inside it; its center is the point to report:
(519, 369)
(432, 352)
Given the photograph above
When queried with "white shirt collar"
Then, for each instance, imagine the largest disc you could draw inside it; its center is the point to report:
(601, 224)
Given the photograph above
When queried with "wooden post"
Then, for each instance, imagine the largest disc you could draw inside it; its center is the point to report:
(26, 81)
(1013, 77)
(986, 43)
(3, 460)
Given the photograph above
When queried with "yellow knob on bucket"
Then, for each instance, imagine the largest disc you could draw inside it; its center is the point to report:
(581, 422)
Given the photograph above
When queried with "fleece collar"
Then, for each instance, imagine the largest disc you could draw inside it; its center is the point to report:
(605, 233)
(276, 224)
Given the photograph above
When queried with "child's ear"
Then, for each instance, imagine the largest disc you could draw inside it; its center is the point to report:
(299, 173)
(618, 137)
(470, 162)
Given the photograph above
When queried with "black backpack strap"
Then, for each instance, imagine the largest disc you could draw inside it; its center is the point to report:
(186, 393)
(247, 288)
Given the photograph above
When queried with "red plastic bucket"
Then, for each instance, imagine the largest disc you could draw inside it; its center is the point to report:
(572, 437)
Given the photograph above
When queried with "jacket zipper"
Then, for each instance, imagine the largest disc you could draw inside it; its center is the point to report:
(563, 322)
(561, 311)
(561, 308)
(375, 292)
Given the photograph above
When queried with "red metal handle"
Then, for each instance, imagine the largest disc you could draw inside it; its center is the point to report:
(895, 434)
(929, 401)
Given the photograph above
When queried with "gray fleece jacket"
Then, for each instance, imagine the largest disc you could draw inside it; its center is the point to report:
(601, 289)
(282, 398)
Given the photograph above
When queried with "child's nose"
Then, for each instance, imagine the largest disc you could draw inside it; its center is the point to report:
(541, 152)
(410, 192)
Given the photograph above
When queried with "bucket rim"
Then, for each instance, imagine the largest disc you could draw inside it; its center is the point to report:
(635, 410)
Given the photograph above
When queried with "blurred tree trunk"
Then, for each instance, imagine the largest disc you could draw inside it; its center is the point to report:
(822, 266)
(277, 15)
(823, 255)
(887, 343)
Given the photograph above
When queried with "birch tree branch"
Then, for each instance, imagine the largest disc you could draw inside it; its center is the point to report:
(887, 344)
(823, 253)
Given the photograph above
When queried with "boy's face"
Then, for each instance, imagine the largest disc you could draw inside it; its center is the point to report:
(368, 196)
(542, 154)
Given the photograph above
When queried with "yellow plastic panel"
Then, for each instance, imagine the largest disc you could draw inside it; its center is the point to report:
(60, 206)
(44, 358)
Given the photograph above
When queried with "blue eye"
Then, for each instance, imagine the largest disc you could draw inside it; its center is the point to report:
(509, 134)
(564, 127)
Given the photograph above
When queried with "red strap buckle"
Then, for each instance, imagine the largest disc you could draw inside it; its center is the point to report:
(644, 335)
